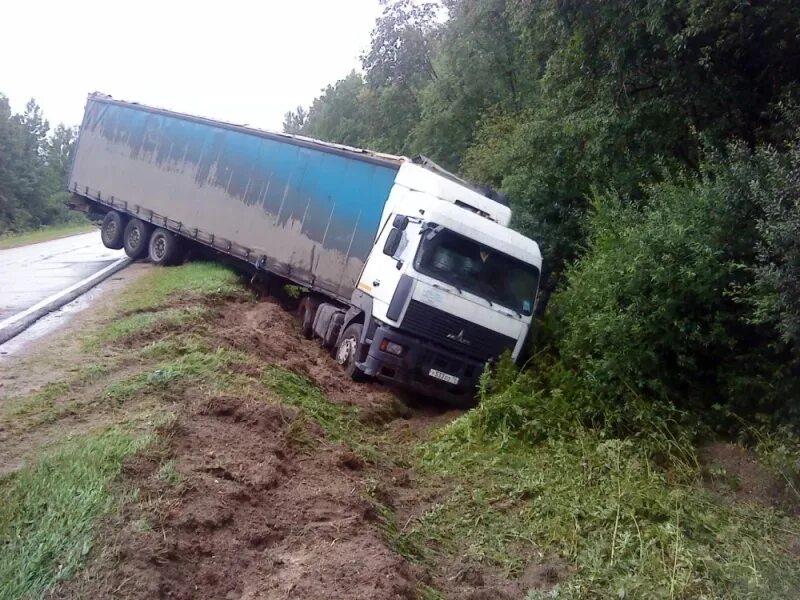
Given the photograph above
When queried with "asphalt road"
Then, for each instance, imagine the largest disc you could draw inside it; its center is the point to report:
(29, 274)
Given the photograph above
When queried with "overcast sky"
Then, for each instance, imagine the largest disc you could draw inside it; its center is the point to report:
(239, 61)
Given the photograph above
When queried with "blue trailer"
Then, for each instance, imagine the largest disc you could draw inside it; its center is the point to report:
(301, 208)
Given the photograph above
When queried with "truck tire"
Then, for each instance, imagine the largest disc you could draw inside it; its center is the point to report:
(164, 247)
(307, 311)
(112, 232)
(347, 350)
(137, 235)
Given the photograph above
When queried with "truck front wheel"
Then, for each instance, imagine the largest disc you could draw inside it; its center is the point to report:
(164, 247)
(347, 352)
(137, 234)
(112, 230)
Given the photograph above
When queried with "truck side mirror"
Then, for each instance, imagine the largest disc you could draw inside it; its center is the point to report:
(400, 222)
(392, 241)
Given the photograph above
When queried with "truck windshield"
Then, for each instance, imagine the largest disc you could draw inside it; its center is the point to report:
(469, 265)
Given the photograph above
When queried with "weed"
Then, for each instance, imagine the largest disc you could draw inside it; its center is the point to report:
(426, 592)
(168, 473)
(193, 362)
(119, 392)
(41, 401)
(142, 525)
(91, 372)
(293, 291)
(48, 510)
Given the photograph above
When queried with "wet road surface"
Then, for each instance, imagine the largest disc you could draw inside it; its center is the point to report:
(29, 274)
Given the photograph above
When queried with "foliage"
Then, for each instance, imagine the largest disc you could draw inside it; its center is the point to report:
(548, 100)
(659, 305)
(401, 46)
(777, 288)
(34, 163)
(650, 148)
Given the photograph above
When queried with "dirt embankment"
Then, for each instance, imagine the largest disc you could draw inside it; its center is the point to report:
(247, 498)
(251, 515)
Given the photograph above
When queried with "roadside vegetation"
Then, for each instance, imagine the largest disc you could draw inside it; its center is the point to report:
(650, 446)
(622, 507)
(45, 234)
(49, 508)
(34, 163)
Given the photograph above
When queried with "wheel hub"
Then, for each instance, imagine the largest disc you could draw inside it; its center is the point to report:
(135, 237)
(160, 247)
(346, 349)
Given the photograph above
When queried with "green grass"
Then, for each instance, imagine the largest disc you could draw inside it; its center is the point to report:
(48, 511)
(168, 473)
(127, 326)
(190, 362)
(193, 280)
(44, 234)
(628, 528)
(339, 422)
(41, 400)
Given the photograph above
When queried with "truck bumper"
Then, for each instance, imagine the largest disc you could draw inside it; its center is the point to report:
(412, 370)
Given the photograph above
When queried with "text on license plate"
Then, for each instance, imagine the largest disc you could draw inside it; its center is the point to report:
(443, 376)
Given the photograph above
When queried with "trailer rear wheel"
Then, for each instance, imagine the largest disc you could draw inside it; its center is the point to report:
(137, 234)
(347, 352)
(112, 230)
(165, 247)
(307, 311)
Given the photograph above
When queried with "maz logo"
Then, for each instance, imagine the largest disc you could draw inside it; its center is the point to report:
(458, 338)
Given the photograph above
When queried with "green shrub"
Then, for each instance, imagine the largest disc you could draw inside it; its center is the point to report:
(658, 306)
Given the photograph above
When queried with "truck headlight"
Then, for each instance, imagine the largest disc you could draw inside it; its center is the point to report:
(392, 347)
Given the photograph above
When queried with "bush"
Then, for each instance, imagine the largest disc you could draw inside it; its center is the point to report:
(662, 304)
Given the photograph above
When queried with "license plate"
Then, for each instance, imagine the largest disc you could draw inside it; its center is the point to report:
(443, 376)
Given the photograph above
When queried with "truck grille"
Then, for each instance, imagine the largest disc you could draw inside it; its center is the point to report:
(454, 332)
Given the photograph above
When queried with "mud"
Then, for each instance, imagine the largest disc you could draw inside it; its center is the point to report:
(268, 331)
(253, 515)
(246, 499)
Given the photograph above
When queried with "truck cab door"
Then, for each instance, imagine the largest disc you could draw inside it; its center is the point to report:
(386, 264)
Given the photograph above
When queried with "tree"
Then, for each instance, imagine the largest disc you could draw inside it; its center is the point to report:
(293, 121)
(34, 164)
(401, 46)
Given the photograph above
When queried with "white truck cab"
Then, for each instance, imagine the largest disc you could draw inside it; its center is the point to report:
(451, 286)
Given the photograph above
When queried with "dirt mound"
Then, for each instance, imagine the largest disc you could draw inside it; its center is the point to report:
(241, 512)
(731, 470)
(265, 329)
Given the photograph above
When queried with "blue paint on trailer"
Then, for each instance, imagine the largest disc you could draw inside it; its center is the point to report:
(311, 209)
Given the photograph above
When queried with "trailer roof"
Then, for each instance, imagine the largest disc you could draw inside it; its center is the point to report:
(299, 140)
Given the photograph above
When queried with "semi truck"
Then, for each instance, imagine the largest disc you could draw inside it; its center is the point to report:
(412, 276)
